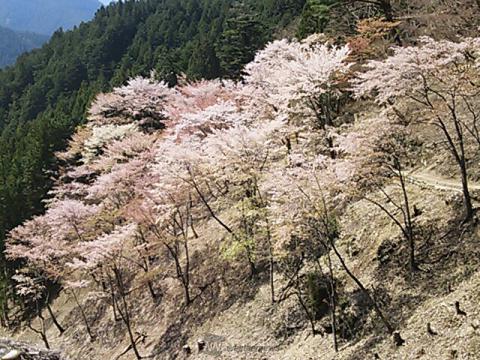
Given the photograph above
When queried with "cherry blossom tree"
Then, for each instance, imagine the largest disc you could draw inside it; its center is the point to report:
(304, 229)
(72, 287)
(221, 115)
(168, 209)
(194, 97)
(102, 136)
(208, 162)
(439, 77)
(377, 148)
(304, 80)
(106, 255)
(305, 208)
(242, 157)
(46, 243)
(142, 100)
(31, 288)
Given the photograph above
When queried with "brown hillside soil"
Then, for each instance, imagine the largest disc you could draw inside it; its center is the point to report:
(448, 257)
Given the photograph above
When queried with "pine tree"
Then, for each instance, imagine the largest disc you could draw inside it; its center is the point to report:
(243, 34)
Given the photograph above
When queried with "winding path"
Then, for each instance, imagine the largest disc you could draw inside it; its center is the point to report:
(432, 180)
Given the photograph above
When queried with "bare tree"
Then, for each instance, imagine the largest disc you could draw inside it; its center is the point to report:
(43, 329)
(440, 78)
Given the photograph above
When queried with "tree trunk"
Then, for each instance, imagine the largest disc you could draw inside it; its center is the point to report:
(112, 296)
(126, 319)
(310, 316)
(251, 264)
(43, 330)
(5, 319)
(333, 302)
(45, 341)
(5, 307)
(272, 285)
(133, 341)
(59, 327)
(462, 162)
(153, 295)
(186, 273)
(184, 280)
(459, 155)
(125, 313)
(186, 292)
(2, 319)
(333, 154)
(84, 317)
(455, 146)
(377, 309)
(386, 7)
(151, 290)
(467, 200)
(270, 246)
(408, 221)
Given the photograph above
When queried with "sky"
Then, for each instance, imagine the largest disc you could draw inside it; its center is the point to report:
(106, 1)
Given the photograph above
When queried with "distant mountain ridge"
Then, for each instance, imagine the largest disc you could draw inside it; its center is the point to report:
(45, 16)
(13, 44)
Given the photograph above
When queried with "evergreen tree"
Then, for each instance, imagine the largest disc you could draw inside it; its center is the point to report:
(315, 17)
(242, 36)
(204, 61)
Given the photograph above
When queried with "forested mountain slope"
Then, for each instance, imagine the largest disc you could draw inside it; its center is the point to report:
(13, 43)
(314, 198)
(297, 213)
(45, 16)
(44, 96)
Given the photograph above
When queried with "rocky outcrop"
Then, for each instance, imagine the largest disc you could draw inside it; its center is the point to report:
(15, 350)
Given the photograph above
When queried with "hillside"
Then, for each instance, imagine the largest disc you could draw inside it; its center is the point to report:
(45, 95)
(264, 180)
(13, 44)
(45, 16)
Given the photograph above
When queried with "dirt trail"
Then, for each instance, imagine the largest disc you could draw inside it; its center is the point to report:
(432, 180)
